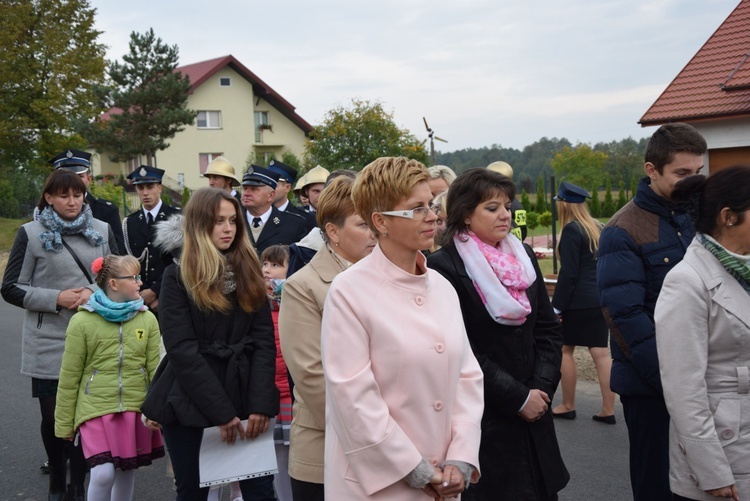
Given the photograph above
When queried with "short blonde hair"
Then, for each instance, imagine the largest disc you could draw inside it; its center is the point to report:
(384, 183)
(442, 172)
(113, 266)
(335, 203)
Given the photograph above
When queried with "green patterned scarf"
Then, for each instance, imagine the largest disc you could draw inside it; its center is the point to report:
(737, 268)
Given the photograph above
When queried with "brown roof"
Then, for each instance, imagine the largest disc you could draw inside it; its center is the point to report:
(716, 82)
(200, 72)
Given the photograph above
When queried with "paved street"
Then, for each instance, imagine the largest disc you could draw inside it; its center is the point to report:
(595, 453)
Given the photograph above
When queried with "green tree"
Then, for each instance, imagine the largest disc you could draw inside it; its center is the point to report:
(532, 220)
(594, 205)
(608, 207)
(352, 137)
(580, 165)
(633, 186)
(622, 199)
(525, 200)
(541, 196)
(291, 160)
(147, 100)
(50, 59)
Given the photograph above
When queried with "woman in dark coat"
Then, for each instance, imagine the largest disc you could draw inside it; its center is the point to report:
(218, 333)
(515, 335)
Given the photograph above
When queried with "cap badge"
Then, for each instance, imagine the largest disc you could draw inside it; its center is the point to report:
(143, 172)
(69, 154)
(249, 171)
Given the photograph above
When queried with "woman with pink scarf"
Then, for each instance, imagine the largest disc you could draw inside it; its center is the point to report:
(515, 335)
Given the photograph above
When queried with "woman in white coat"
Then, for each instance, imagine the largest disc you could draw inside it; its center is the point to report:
(404, 393)
(703, 340)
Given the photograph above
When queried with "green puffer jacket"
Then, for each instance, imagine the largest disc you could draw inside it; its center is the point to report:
(106, 368)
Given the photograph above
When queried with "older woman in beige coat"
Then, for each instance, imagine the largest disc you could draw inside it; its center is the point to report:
(703, 340)
(348, 239)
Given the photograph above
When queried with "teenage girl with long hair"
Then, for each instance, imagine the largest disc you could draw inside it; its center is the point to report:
(217, 330)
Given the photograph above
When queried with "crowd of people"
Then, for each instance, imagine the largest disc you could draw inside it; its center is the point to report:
(394, 335)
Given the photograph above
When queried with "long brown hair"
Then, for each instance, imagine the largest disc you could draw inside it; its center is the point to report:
(203, 267)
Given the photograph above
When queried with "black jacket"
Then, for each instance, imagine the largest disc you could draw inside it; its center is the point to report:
(108, 212)
(576, 283)
(309, 217)
(139, 242)
(515, 359)
(281, 228)
(217, 366)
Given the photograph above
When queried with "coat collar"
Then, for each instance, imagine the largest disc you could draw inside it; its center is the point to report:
(395, 275)
(725, 290)
(326, 265)
(647, 199)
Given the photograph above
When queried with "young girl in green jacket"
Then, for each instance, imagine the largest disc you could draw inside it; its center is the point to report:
(111, 354)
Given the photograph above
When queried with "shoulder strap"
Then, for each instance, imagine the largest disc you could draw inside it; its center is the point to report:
(78, 261)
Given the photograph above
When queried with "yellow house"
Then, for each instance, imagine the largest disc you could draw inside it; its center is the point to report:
(239, 116)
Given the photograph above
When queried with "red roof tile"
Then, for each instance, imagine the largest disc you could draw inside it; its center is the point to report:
(716, 81)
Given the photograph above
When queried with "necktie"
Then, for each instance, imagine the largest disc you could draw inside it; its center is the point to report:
(150, 219)
(256, 222)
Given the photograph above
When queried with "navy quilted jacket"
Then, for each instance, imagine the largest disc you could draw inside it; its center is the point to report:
(638, 247)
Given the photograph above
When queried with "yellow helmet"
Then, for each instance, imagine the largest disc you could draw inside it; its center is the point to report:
(299, 185)
(501, 167)
(220, 166)
(314, 176)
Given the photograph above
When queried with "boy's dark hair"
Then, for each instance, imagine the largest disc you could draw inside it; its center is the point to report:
(670, 139)
(276, 254)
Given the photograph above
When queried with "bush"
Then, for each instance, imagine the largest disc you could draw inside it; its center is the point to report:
(185, 195)
(608, 208)
(545, 219)
(525, 200)
(532, 220)
(108, 191)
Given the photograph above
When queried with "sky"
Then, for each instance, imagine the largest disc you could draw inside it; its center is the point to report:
(481, 72)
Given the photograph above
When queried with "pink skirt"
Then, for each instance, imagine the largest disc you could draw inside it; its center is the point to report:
(120, 438)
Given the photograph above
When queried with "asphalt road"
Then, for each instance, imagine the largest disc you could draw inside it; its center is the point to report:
(595, 453)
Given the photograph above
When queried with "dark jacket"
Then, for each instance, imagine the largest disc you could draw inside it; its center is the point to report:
(515, 359)
(576, 284)
(309, 217)
(281, 228)
(139, 242)
(638, 247)
(108, 212)
(217, 366)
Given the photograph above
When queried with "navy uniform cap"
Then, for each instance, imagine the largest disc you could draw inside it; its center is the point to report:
(260, 176)
(571, 193)
(146, 174)
(287, 172)
(75, 160)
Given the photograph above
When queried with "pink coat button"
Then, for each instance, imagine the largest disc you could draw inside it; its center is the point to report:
(419, 300)
(439, 348)
(438, 405)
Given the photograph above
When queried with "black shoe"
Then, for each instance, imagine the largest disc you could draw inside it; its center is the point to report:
(45, 467)
(75, 493)
(605, 419)
(565, 415)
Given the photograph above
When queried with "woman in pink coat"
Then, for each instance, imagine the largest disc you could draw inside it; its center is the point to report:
(404, 391)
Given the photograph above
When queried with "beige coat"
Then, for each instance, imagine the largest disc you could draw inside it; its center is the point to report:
(703, 340)
(299, 331)
(402, 383)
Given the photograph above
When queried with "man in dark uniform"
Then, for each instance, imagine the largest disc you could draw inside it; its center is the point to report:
(80, 162)
(139, 230)
(221, 174)
(287, 177)
(267, 225)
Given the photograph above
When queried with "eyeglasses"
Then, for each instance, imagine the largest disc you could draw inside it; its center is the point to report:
(415, 213)
(136, 278)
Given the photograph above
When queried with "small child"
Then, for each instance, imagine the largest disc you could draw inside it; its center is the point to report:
(111, 354)
(275, 261)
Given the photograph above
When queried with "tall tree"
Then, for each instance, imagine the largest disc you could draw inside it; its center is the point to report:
(351, 137)
(541, 196)
(608, 207)
(147, 99)
(50, 59)
(580, 165)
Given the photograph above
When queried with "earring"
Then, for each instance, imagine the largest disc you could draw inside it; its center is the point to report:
(730, 224)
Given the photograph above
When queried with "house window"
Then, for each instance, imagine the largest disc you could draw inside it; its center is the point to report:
(261, 122)
(206, 158)
(225, 81)
(209, 120)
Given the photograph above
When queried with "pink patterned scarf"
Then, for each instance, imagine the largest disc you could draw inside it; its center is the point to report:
(500, 274)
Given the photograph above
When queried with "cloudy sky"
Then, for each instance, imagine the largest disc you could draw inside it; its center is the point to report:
(482, 72)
